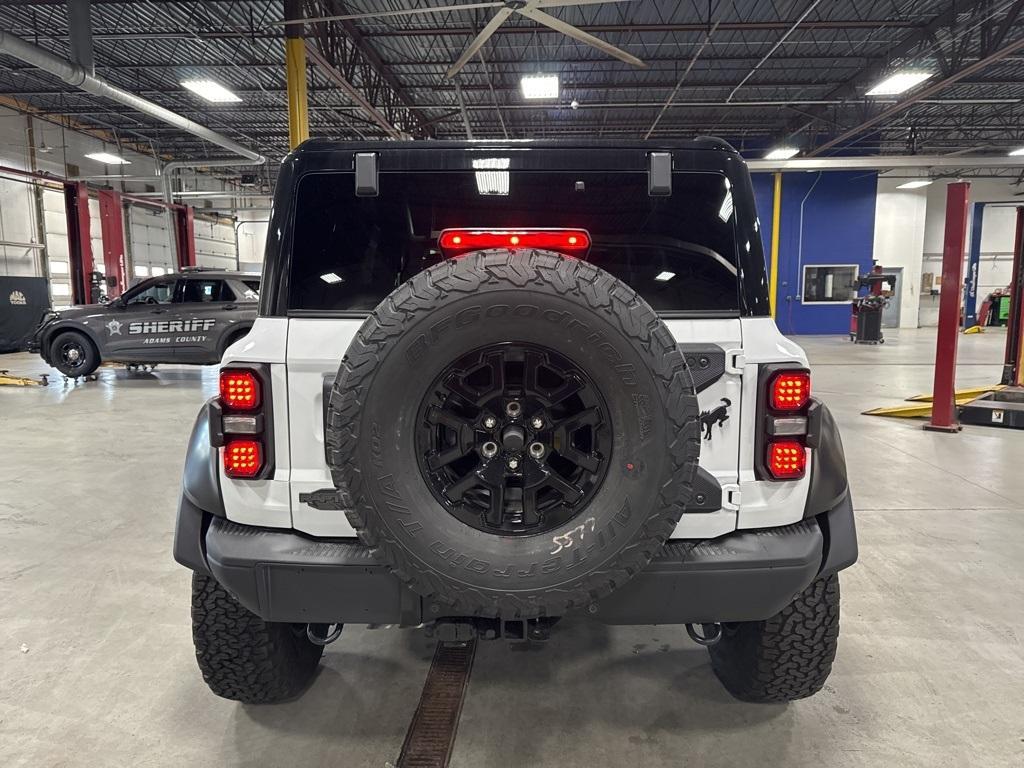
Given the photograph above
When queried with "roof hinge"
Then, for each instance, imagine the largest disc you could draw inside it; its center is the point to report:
(659, 174)
(366, 174)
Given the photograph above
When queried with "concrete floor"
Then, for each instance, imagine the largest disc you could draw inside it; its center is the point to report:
(97, 667)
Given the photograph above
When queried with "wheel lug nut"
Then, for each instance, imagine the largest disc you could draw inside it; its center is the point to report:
(513, 409)
(489, 449)
(536, 422)
(513, 463)
(490, 422)
(537, 450)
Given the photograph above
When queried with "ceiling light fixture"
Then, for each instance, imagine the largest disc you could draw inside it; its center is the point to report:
(782, 153)
(664, 276)
(332, 278)
(1017, 152)
(211, 91)
(109, 159)
(898, 83)
(539, 86)
(916, 184)
(492, 177)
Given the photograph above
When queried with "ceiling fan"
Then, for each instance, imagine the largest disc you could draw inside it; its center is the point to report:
(531, 9)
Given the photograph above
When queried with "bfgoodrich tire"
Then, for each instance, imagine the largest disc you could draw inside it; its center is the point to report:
(242, 657)
(454, 382)
(787, 657)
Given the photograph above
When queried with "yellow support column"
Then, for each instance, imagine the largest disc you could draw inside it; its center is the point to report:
(773, 272)
(295, 69)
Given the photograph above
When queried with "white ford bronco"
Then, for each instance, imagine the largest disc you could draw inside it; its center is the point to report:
(494, 384)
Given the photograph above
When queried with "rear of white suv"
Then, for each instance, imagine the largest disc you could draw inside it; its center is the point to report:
(489, 398)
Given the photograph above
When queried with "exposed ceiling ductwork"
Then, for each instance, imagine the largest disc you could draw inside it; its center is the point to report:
(76, 75)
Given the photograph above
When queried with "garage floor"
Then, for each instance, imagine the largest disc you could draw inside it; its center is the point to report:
(96, 661)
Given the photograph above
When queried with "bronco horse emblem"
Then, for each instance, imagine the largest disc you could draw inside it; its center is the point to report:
(717, 415)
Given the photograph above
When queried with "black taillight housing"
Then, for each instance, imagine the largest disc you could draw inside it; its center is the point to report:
(241, 421)
(783, 409)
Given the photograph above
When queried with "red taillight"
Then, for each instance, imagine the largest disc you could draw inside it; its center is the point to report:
(786, 459)
(243, 458)
(239, 390)
(790, 390)
(572, 242)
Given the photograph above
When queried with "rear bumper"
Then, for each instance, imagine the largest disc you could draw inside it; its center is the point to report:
(743, 576)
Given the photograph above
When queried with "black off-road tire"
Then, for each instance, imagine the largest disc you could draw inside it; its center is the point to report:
(488, 298)
(787, 657)
(90, 357)
(242, 657)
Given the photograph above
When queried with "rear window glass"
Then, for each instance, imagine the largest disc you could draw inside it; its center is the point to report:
(678, 252)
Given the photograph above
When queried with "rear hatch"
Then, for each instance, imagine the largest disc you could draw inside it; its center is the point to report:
(679, 251)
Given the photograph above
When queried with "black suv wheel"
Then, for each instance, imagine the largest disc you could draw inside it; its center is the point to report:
(243, 657)
(73, 354)
(787, 657)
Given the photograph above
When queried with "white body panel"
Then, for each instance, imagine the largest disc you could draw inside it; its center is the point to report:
(764, 504)
(302, 352)
(315, 347)
(264, 502)
(719, 454)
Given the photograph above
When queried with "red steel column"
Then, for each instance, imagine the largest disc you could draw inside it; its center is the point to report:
(1013, 359)
(76, 207)
(112, 227)
(185, 221)
(944, 416)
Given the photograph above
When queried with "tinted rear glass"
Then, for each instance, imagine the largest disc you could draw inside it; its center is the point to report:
(678, 252)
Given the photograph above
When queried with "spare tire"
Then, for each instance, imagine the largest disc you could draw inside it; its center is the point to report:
(514, 433)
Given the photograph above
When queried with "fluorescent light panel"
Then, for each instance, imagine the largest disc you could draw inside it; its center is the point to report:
(109, 159)
(1017, 152)
(331, 278)
(211, 91)
(539, 86)
(898, 83)
(664, 276)
(782, 153)
(492, 175)
(917, 184)
(726, 208)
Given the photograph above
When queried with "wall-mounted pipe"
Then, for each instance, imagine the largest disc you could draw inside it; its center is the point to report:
(881, 162)
(75, 75)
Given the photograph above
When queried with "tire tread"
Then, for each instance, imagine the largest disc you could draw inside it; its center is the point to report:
(242, 657)
(787, 657)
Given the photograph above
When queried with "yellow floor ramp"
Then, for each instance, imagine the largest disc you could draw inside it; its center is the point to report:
(920, 406)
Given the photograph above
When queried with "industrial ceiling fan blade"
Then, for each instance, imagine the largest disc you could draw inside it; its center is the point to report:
(584, 37)
(478, 42)
(387, 14)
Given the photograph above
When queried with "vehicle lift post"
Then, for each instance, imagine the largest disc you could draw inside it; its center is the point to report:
(1013, 358)
(944, 415)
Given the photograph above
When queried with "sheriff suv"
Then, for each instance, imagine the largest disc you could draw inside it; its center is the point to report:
(494, 384)
(187, 317)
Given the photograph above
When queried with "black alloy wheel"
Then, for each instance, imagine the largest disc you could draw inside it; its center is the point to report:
(513, 439)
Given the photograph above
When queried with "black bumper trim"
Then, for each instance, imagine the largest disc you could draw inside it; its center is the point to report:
(743, 576)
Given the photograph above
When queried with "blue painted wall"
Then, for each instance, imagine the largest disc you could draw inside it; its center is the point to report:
(838, 228)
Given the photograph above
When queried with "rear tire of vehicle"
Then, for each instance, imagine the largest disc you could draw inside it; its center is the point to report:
(68, 341)
(787, 657)
(242, 657)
